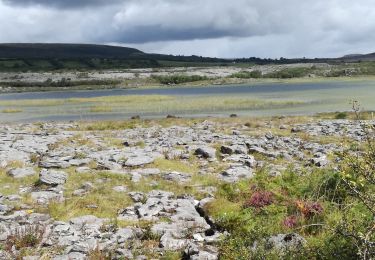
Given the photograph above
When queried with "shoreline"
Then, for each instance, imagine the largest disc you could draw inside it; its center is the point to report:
(209, 83)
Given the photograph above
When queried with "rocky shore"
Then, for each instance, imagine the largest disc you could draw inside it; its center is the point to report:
(57, 182)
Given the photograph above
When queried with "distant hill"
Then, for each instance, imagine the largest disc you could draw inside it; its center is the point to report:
(359, 57)
(57, 56)
(64, 51)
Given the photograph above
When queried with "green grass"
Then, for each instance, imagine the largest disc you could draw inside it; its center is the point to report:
(101, 109)
(107, 201)
(175, 165)
(10, 185)
(148, 104)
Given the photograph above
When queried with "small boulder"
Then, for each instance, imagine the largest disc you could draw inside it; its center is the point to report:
(206, 152)
(226, 150)
(285, 242)
(319, 160)
(235, 174)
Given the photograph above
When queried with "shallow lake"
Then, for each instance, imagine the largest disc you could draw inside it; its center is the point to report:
(312, 97)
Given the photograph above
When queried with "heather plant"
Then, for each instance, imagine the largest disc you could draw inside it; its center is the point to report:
(290, 221)
(309, 209)
(259, 199)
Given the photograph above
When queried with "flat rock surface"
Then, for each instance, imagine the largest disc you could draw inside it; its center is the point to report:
(156, 181)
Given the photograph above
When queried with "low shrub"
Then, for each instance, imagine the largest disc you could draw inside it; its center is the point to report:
(288, 73)
(25, 236)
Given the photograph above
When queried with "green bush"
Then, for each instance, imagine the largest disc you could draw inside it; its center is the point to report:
(358, 179)
(255, 74)
(178, 79)
(341, 115)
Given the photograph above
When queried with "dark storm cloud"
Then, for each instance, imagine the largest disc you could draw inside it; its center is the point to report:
(144, 34)
(242, 28)
(62, 3)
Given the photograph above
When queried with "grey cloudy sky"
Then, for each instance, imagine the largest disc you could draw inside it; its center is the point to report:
(221, 28)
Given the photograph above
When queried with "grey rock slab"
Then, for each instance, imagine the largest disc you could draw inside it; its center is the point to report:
(124, 253)
(68, 240)
(44, 197)
(3, 164)
(168, 242)
(35, 257)
(86, 220)
(85, 246)
(139, 160)
(21, 172)
(62, 229)
(245, 159)
(196, 252)
(79, 193)
(135, 177)
(4, 232)
(71, 256)
(52, 177)
(128, 214)
(83, 169)
(205, 255)
(319, 160)
(5, 255)
(147, 171)
(177, 177)
(124, 234)
(260, 150)
(137, 196)
(13, 197)
(54, 163)
(79, 162)
(87, 186)
(224, 149)
(235, 174)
